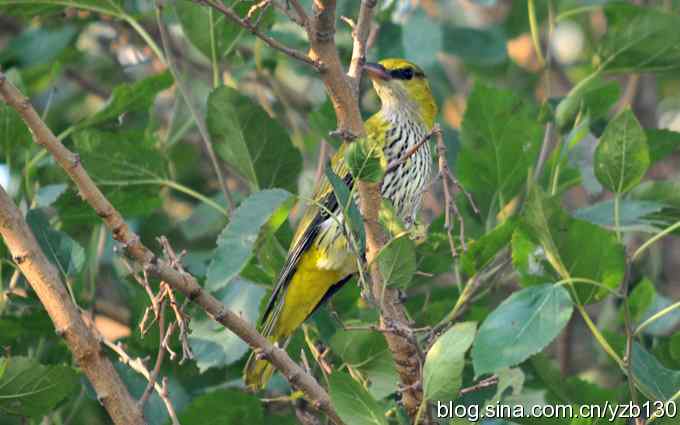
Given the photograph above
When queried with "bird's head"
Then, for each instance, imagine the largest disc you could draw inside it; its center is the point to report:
(401, 85)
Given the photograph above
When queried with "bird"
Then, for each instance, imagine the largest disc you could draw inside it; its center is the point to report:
(320, 260)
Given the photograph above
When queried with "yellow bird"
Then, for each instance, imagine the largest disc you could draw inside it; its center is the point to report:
(319, 261)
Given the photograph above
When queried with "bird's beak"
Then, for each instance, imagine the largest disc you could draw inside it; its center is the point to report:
(377, 71)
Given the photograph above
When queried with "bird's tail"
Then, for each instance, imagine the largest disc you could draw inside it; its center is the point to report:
(257, 371)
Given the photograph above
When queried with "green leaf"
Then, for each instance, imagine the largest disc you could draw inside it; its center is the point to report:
(521, 326)
(561, 237)
(36, 7)
(500, 139)
(651, 377)
(64, 252)
(508, 378)
(365, 161)
(212, 343)
(38, 46)
(205, 220)
(367, 353)
(28, 327)
(126, 165)
(482, 251)
(252, 142)
(592, 96)
(352, 402)
(639, 39)
(28, 388)
(444, 363)
(198, 21)
(342, 194)
(622, 156)
(640, 300)
(634, 215)
(390, 42)
(662, 143)
(211, 409)
(397, 261)
(236, 242)
(664, 325)
(571, 390)
(477, 47)
(136, 97)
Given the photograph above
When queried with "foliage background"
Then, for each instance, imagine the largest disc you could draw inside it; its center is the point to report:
(548, 251)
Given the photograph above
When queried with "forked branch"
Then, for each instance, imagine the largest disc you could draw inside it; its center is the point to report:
(179, 280)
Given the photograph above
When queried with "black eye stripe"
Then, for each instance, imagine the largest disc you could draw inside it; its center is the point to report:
(405, 73)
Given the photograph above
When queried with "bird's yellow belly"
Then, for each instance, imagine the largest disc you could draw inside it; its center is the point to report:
(309, 284)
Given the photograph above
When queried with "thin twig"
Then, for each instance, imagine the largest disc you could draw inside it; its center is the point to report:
(252, 28)
(360, 33)
(137, 364)
(68, 322)
(159, 360)
(298, 15)
(483, 384)
(409, 153)
(180, 281)
(449, 201)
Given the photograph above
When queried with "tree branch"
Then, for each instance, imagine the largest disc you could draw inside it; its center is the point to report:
(343, 92)
(45, 281)
(180, 281)
(253, 29)
(360, 33)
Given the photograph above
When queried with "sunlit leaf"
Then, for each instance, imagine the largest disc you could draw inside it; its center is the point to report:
(622, 156)
(443, 370)
(397, 261)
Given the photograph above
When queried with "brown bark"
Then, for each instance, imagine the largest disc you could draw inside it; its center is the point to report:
(182, 282)
(45, 281)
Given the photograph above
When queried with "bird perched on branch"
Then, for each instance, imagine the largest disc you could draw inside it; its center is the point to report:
(319, 260)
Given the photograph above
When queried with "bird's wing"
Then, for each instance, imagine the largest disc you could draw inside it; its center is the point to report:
(309, 227)
(314, 216)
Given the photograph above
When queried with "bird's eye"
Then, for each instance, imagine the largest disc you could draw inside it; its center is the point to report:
(407, 73)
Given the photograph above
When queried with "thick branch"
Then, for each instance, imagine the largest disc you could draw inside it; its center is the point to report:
(343, 91)
(182, 282)
(45, 281)
(321, 33)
